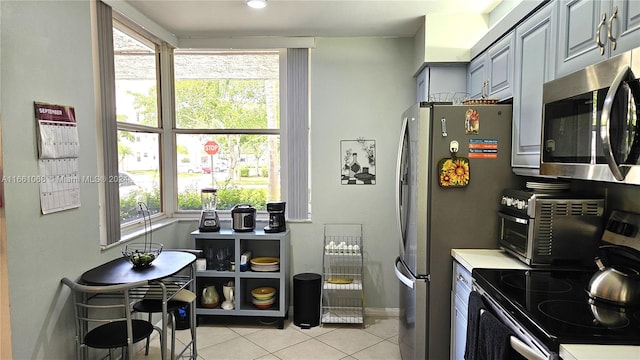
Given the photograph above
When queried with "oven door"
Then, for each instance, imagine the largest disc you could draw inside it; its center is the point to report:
(515, 236)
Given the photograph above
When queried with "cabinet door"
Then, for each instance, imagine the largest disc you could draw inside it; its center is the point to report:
(534, 56)
(626, 26)
(422, 85)
(476, 76)
(577, 27)
(461, 288)
(459, 329)
(500, 68)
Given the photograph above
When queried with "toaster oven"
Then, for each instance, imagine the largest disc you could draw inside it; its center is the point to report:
(543, 229)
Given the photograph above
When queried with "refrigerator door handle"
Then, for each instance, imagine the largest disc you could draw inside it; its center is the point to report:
(399, 179)
(410, 283)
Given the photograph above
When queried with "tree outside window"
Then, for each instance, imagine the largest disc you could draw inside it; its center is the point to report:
(231, 98)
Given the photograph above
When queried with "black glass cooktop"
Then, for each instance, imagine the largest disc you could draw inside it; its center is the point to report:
(555, 307)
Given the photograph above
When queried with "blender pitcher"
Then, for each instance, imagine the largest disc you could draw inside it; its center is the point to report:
(209, 221)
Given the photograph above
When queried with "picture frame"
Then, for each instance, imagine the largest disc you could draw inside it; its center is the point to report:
(358, 162)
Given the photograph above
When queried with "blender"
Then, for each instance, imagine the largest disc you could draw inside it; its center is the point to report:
(209, 221)
(276, 217)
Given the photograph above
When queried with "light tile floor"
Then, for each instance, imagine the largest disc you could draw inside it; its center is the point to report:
(247, 339)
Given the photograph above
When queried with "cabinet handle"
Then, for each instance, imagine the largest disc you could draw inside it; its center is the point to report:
(609, 28)
(461, 278)
(485, 89)
(600, 25)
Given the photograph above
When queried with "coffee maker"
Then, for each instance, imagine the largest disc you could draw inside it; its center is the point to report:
(209, 221)
(276, 217)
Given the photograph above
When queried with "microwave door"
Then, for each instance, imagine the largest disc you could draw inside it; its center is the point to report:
(618, 124)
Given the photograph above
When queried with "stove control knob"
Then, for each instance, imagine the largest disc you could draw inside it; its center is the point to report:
(509, 201)
(520, 204)
(503, 201)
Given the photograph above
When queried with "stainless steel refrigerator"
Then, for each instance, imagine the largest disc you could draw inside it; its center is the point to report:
(445, 200)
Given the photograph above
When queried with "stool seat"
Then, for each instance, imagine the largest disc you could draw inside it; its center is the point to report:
(114, 334)
(151, 306)
(155, 305)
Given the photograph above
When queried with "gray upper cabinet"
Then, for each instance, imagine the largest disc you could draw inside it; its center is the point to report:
(491, 73)
(534, 65)
(476, 77)
(591, 31)
(442, 82)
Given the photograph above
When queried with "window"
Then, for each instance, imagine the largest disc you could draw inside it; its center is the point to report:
(227, 135)
(230, 119)
(137, 115)
(132, 135)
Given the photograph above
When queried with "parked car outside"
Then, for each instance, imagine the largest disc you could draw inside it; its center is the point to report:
(220, 166)
(189, 168)
(127, 185)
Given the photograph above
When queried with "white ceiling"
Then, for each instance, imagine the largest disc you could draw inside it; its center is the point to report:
(322, 18)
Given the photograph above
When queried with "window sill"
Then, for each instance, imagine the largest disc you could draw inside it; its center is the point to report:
(138, 231)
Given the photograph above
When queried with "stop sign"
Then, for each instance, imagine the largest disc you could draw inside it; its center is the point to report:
(211, 147)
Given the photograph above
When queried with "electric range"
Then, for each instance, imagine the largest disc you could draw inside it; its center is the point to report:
(555, 308)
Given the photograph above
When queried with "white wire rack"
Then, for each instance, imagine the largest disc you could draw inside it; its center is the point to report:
(342, 290)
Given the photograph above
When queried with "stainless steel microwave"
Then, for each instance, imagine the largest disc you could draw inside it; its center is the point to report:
(590, 125)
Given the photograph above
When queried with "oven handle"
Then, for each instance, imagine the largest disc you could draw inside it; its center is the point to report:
(514, 219)
(603, 123)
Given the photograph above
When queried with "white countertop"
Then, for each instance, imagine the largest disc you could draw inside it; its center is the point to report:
(599, 352)
(498, 259)
(486, 258)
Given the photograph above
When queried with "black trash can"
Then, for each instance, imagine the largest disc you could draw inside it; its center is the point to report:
(307, 289)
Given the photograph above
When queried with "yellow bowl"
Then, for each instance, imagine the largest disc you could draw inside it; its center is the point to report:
(263, 293)
(265, 261)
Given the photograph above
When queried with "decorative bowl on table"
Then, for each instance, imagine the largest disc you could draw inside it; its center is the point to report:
(142, 255)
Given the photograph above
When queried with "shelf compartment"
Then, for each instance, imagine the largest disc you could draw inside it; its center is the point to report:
(342, 315)
(245, 297)
(218, 282)
(212, 248)
(354, 285)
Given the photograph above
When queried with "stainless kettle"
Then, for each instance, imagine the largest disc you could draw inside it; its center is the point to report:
(617, 283)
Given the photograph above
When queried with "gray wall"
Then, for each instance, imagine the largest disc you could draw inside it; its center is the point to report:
(359, 89)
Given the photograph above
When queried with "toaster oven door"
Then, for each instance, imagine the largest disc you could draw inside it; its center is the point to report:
(514, 236)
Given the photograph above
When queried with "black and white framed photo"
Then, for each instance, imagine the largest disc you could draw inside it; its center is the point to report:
(358, 162)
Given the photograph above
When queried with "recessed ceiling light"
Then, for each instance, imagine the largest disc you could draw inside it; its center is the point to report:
(257, 4)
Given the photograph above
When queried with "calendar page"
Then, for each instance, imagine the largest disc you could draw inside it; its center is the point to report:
(58, 151)
(59, 184)
(57, 131)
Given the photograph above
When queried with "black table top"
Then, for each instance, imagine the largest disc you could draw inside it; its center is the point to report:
(121, 271)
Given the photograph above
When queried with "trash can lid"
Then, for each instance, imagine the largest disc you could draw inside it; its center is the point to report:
(307, 277)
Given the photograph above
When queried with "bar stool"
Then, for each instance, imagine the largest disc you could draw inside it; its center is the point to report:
(152, 306)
